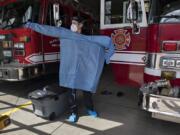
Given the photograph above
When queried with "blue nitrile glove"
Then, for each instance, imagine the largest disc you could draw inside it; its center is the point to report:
(27, 25)
(109, 52)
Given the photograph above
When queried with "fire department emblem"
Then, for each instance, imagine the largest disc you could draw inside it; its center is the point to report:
(121, 39)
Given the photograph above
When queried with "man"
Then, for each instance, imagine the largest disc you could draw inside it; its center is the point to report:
(81, 61)
(76, 26)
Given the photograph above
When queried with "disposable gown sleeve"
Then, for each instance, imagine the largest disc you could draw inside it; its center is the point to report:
(49, 30)
(105, 42)
(64, 33)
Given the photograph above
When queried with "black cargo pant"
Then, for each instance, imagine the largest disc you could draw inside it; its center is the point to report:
(87, 98)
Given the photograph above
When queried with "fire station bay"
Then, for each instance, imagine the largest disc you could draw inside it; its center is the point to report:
(90, 67)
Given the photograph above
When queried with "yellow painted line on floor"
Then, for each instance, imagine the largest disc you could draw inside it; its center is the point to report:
(8, 113)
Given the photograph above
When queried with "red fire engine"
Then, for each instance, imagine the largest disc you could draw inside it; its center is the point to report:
(147, 48)
(147, 41)
(26, 54)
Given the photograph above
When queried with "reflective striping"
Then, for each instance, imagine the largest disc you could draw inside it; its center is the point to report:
(129, 63)
(35, 58)
(129, 57)
(120, 57)
(38, 58)
(135, 52)
(50, 57)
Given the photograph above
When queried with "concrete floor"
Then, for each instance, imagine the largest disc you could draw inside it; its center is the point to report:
(118, 115)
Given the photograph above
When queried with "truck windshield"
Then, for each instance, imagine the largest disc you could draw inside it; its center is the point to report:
(15, 14)
(164, 11)
(115, 12)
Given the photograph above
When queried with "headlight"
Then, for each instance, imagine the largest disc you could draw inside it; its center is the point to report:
(7, 53)
(19, 45)
(168, 63)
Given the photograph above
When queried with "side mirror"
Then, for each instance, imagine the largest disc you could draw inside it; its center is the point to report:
(28, 15)
(56, 14)
(132, 15)
(136, 28)
(59, 23)
(132, 11)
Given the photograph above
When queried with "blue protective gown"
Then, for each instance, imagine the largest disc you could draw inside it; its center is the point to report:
(81, 57)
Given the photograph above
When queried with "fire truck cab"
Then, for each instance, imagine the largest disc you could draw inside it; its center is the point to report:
(147, 41)
(24, 53)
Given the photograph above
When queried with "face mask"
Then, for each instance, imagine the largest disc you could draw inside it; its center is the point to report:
(74, 28)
